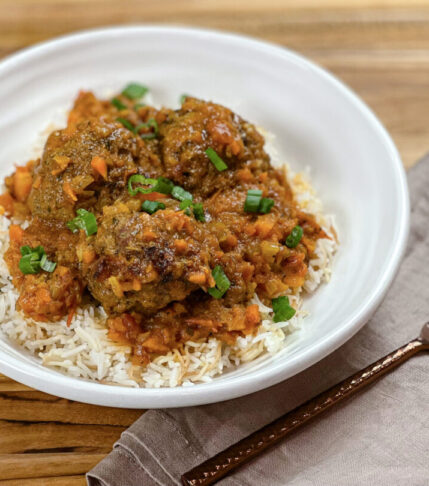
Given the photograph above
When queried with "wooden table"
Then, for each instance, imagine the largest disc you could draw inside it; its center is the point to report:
(380, 48)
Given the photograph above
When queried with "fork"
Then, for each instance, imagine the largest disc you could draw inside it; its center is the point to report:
(217, 467)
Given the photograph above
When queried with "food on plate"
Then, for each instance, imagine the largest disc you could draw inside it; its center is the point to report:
(156, 247)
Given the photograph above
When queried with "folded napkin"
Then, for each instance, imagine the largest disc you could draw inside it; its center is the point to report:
(380, 437)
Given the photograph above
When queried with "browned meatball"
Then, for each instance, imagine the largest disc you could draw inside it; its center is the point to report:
(146, 261)
(198, 125)
(65, 178)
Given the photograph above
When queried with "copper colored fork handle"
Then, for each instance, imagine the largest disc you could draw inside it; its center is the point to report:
(212, 470)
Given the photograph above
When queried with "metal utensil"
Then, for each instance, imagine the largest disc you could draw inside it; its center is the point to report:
(217, 467)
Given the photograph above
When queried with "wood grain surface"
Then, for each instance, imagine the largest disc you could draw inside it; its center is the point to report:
(380, 48)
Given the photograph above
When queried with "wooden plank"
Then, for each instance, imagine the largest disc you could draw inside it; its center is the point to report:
(16, 437)
(14, 466)
(40, 407)
(8, 385)
(59, 481)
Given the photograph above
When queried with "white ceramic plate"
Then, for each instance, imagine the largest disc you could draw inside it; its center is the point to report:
(318, 122)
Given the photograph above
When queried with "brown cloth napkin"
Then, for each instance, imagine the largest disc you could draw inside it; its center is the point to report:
(380, 437)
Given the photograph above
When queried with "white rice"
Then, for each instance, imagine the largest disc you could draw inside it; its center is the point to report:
(83, 350)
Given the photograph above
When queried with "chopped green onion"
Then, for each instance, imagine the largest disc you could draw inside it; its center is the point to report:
(222, 283)
(126, 123)
(184, 206)
(152, 206)
(135, 91)
(84, 220)
(29, 264)
(253, 199)
(46, 265)
(151, 123)
(142, 180)
(180, 194)
(255, 203)
(162, 185)
(295, 237)
(34, 259)
(137, 106)
(216, 160)
(183, 98)
(283, 311)
(265, 205)
(197, 209)
(118, 104)
(199, 212)
(27, 250)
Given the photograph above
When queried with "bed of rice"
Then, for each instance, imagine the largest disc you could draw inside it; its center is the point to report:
(84, 350)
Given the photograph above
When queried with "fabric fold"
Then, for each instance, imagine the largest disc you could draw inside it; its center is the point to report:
(379, 437)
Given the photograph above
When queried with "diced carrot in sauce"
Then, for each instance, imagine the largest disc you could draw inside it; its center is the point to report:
(264, 226)
(198, 278)
(16, 233)
(99, 165)
(6, 200)
(69, 191)
(88, 256)
(149, 235)
(244, 175)
(181, 245)
(22, 182)
(253, 316)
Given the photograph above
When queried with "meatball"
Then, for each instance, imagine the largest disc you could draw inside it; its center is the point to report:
(146, 261)
(198, 125)
(65, 178)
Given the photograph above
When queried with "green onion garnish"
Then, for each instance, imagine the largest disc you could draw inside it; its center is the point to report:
(141, 180)
(295, 237)
(135, 91)
(283, 311)
(151, 123)
(137, 106)
(184, 206)
(216, 160)
(46, 265)
(152, 206)
(265, 205)
(84, 220)
(253, 199)
(183, 98)
(165, 186)
(162, 184)
(197, 209)
(255, 203)
(29, 264)
(199, 212)
(222, 283)
(34, 259)
(126, 123)
(180, 194)
(118, 104)
(27, 250)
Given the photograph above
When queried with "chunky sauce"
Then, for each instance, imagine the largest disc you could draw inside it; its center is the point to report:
(151, 272)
